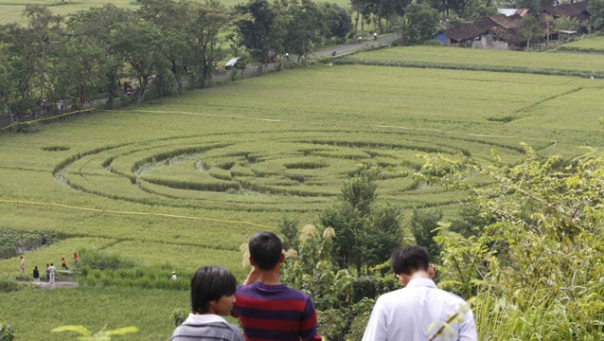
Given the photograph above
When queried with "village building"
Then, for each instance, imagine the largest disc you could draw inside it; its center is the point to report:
(501, 32)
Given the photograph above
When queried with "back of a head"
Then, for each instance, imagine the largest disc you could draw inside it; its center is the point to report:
(210, 283)
(265, 249)
(410, 259)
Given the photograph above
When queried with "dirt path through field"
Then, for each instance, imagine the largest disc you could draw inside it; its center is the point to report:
(48, 286)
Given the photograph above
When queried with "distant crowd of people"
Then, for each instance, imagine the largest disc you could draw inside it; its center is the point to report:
(51, 270)
(269, 310)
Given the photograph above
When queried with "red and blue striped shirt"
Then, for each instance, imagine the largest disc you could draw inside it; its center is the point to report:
(275, 313)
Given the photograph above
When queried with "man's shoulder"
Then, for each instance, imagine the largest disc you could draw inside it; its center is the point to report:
(207, 330)
(283, 292)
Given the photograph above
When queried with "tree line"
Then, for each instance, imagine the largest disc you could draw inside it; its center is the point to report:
(91, 53)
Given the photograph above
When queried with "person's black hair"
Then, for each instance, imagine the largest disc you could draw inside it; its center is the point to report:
(210, 283)
(410, 259)
(52, 264)
(266, 249)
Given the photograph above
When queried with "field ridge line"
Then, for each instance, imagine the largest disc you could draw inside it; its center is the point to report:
(346, 125)
(132, 212)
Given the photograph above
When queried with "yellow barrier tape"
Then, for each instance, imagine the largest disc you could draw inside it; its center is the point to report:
(48, 118)
(133, 212)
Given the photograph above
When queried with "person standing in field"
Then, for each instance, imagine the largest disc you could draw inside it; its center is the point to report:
(36, 275)
(75, 259)
(47, 272)
(267, 309)
(409, 313)
(173, 275)
(212, 297)
(22, 265)
(64, 264)
(52, 270)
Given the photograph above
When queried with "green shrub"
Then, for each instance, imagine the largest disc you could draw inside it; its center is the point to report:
(8, 284)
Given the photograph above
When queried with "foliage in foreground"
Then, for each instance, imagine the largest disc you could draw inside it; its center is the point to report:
(87, 335)
(536, 272)
(6, 332)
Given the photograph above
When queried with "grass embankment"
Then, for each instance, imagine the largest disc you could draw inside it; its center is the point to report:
(589, 44)
(33, 313)
(482, 60)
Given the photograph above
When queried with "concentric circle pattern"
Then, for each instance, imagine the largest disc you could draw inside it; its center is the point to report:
(266, 171)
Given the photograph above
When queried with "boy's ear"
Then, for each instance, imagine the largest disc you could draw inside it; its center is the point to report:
(282, 258)
(252, 261)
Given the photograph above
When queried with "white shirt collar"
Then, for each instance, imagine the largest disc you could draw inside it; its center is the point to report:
(202, 319)
(421, 282)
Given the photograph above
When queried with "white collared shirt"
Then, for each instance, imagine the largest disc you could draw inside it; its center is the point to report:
(204, 318)
(407, 314)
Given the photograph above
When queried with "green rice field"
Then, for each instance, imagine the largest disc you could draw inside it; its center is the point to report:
(431, 55)
(589, 44)
(185, 181)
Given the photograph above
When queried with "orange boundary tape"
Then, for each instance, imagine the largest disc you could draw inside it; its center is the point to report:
(48, 118)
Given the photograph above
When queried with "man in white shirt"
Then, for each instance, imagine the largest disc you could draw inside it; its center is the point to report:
(52, 271)
(419, 311)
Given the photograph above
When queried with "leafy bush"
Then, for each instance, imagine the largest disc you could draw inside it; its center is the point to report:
(537, 268)
(6, 332)
(8, 284)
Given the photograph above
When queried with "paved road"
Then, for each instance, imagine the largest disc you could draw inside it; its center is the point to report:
(340, 49)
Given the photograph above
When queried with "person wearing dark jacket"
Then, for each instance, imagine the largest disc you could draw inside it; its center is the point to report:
(36, 275)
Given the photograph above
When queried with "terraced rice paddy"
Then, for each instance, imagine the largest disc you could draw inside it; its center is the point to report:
(493, 59)
(588, 44)
(186, 180)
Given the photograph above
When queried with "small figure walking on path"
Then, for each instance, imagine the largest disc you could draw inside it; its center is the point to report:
(52, 271)
(64, 264)
(47, 272)
(75, 259)
(375, 37)
(36, 275)
(44, 241)
(22, 266)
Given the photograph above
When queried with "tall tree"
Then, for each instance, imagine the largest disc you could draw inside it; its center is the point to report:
(171, 19)
(337, 22)
(304, 27)
(530, 29)
(422, 22)
(596, 11)
(139, 44)
(93, 27)
(205, 23)
(255, 28)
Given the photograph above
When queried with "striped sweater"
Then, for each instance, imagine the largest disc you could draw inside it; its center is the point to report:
(275, 313)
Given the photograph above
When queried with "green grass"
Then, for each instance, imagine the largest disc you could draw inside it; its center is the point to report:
(447, 56)
(51, 254)
(589, 44)
(33, 313)
(185, 181)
